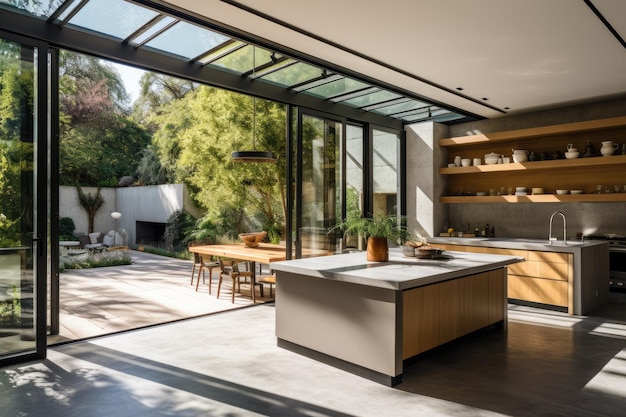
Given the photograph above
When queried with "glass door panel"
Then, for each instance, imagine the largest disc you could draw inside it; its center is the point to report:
(18, 292)
(320, 201)
(386, 173)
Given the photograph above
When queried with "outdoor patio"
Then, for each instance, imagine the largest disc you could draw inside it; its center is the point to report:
(153, 290)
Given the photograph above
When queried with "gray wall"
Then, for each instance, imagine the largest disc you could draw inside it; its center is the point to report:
(525, 220)
(154, 203)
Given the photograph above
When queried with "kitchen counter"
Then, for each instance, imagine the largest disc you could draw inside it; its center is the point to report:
(369, 317)
(573, 276)
(573, 246)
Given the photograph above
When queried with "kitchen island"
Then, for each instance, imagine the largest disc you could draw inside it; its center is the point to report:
(573, 276)
(370, 317)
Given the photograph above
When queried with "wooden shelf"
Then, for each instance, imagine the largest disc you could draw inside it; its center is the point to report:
(535, 132)
(538, 165)
(542, 198)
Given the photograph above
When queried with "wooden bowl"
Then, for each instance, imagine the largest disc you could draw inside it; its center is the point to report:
(252, 239)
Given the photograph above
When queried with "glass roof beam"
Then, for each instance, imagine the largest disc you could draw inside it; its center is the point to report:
(270, 67)
(219, 51)
(150, 30)
(386, 103)
(354, 94)
(61, 15)
(324, 79)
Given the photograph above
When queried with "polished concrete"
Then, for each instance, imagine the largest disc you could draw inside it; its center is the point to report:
(228, 364)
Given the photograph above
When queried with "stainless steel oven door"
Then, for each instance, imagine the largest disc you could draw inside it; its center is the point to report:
(617, 267)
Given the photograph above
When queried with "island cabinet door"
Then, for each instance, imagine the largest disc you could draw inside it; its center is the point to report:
(438, 313)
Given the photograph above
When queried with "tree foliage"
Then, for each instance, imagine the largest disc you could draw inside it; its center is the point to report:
(194, 137)
(99, 143)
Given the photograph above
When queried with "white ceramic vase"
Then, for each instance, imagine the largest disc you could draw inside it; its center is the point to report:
(608, 147)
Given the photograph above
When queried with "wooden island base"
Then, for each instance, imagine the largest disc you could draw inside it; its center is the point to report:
(371, 326)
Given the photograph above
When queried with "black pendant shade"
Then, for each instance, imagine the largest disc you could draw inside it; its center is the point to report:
(253, 156)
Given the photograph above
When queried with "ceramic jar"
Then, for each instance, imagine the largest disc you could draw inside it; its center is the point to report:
(520, 155)
(608, 147)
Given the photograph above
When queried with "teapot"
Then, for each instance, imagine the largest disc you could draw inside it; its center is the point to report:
(520, 155)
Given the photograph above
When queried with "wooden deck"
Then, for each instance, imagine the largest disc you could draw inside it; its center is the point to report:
(153, 290)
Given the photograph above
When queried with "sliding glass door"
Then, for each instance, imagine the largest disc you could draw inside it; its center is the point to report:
(22, 235)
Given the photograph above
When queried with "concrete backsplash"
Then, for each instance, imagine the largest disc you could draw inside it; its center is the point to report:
(524, 220)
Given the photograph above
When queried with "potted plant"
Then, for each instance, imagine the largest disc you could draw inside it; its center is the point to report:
(378, 230)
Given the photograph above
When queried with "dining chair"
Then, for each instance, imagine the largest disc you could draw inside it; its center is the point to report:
(267, 279)
(206, 264)
(236, 270)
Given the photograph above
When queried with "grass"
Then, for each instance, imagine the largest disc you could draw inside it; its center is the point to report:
(184, 254)
(97, 260)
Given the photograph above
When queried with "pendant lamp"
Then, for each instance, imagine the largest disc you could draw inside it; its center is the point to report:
(253, 155)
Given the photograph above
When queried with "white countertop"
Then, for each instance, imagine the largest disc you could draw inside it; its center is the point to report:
(573, 246)
(400, 273)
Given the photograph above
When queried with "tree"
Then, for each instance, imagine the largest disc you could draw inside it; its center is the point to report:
(91, 204)
(99, 143)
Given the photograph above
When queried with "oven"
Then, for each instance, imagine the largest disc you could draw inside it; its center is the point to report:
(617, 259)
(617, 264)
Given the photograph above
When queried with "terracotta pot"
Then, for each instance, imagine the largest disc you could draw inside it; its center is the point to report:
(377, 249)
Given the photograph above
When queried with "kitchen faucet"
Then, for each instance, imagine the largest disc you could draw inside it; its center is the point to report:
(550, 239)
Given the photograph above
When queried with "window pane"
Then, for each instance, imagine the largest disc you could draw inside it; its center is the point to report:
(241, 60)
(115, 18)
(335, 88)
(39, 9)
(176, 40)
(386, 172)
(373, 98)
(397, 108)
(293, 74)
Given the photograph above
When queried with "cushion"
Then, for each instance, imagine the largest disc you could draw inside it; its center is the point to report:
(107, 240)
(93, 237)
(84, 240)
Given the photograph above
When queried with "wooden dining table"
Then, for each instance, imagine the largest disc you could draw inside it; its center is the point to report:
(265, 253)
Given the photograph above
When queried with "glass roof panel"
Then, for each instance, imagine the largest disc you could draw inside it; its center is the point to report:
(152, 30)
(176, 40)
(335, 88)
(115, 18)
(293, 74)
(401, 107)
(35, 8)
(242, 61)
(377, 97)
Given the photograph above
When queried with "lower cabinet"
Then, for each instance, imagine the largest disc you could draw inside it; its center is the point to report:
(439, 313)
(545, 277)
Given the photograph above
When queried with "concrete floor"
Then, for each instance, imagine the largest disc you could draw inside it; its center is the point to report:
(228, 364)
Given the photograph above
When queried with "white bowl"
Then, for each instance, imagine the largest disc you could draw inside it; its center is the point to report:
(576, 192)
(491, 160)
(451, 165)
(521, 193)
(466, 162)
(520, 158)
(537, 190)
(562, 192)
(571, 155)
(522, 189)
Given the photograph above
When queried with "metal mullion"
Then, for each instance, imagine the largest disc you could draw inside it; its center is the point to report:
(59, 11)
(70, 14)
(410, 112)
(386, 103)
(155, 34)
(354, 94)
(271, 68)
(227, 50)
(324, 79)
(156, 19)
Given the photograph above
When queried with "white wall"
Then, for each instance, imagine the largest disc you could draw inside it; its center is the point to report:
(69, 206)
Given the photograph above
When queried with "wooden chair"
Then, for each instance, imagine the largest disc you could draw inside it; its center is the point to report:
(206, 264)
(236, 270)
(267, 279)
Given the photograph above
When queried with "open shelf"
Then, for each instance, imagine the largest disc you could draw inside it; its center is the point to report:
(541, 198)
(538, 165)
(535, 132)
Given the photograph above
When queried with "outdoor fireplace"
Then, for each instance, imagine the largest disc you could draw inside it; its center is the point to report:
(150, 233)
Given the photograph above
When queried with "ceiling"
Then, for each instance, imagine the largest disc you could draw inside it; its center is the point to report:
(486, 57)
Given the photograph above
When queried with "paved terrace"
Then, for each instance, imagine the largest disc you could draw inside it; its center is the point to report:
(154, 289)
